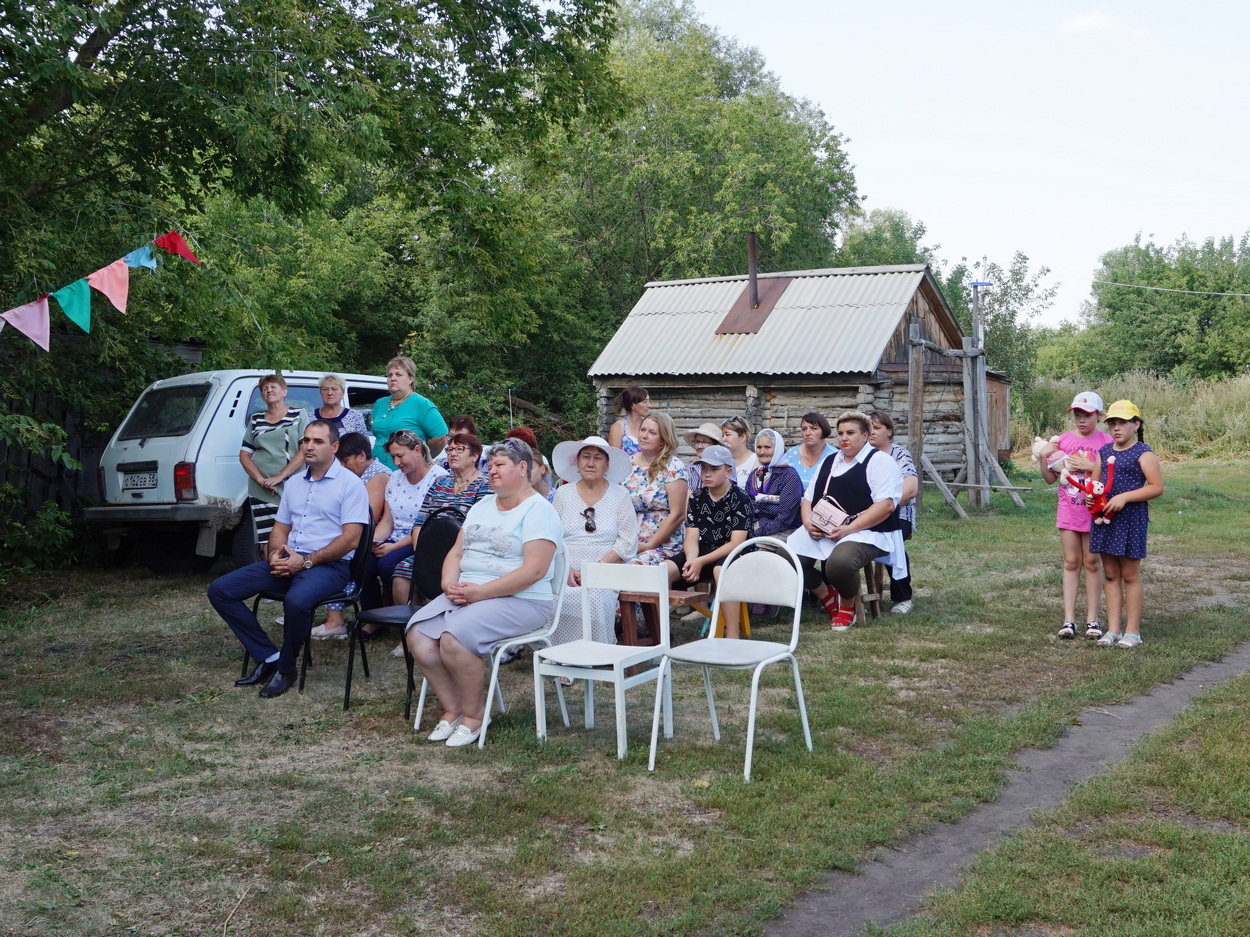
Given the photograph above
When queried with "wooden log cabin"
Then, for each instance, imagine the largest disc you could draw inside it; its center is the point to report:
(826, 340)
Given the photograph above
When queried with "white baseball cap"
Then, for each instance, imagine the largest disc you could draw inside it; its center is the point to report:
(715, 455)
(1088, 402)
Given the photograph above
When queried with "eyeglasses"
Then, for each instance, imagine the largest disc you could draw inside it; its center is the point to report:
(405, 436)
(589, 514)
(737, 423)
(457, 450)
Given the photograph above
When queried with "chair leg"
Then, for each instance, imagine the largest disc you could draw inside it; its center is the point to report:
(621, 743)
(353, 636)
(306, 663)
(590, 704)
(798, 692)
(755, 697)
(409, 664)
(540, 701)
(425, 686)
(665, 674)
(564, 709)
(711, 703)
(491, 690)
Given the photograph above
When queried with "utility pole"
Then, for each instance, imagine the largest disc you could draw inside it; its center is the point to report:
(980, 401)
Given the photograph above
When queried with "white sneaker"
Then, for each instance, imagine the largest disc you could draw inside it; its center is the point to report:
(902, 608)
(442, 732)
(463, 736)
(397, 651)
(693, 617)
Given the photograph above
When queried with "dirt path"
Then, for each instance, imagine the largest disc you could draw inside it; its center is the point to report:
(895, 882)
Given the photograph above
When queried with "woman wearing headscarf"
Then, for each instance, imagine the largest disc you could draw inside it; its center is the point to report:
(776, 491)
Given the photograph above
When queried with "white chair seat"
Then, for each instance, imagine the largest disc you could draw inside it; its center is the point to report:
(582, 653)
(595, 662)
(717, 652)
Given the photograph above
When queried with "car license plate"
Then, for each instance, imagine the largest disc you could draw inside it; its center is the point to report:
(139, 480)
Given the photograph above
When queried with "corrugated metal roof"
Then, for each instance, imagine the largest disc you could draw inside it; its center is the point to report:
(834, 321)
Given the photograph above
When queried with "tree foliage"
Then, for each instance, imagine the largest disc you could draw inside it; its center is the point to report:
(885, 236)
(1016, 296)
(1180, 329)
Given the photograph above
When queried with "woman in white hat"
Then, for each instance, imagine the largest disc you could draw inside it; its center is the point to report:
(708, 434)
(600, 526)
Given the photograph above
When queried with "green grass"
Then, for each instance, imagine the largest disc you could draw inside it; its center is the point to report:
(144, 794)
(1159, 845)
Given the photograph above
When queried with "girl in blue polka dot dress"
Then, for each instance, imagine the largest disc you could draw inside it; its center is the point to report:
(1122, 543)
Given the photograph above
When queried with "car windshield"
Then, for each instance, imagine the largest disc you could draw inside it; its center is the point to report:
(165, 411)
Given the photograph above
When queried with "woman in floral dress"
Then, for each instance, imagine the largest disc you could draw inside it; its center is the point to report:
(657, 487)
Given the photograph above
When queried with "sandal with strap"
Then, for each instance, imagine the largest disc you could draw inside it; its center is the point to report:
(1068, 631)
(1109, 639)
(1093, 630)
(844, 619)
(831, 603)
(1129, 640)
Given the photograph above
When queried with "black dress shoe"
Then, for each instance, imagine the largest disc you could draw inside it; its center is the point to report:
(278, 684)
(261, 674)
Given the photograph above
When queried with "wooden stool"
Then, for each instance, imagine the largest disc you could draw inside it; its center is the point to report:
(744, 617)
(650, 612)
(869, 597)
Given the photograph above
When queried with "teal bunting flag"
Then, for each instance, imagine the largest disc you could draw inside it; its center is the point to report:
(75, 301)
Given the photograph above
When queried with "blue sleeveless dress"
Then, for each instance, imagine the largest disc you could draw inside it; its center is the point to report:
(1126, 534)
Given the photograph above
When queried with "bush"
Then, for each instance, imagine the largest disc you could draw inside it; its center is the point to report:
(41, 540)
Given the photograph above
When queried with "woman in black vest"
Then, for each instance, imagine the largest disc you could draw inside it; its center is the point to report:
(868, 485)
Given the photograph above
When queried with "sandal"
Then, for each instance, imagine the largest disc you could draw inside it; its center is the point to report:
(831, 603)
(1068, 631)
(1129, 640)
(1109, 639)
(844, 619)
(1094, 630)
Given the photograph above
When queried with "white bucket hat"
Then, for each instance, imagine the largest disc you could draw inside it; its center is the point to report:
(564, 459)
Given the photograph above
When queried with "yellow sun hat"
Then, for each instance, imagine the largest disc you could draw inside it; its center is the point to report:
(1122, 410)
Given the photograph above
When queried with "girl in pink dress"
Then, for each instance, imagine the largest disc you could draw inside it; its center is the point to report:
(1081, 445)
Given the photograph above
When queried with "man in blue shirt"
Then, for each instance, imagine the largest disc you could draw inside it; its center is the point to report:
(323, 512)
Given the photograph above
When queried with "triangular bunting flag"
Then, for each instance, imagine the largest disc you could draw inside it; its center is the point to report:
(140, 257)
(75, 301)
(174, 243)
(31, 320)
(114, 282)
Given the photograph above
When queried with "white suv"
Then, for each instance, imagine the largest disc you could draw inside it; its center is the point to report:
(170, 477)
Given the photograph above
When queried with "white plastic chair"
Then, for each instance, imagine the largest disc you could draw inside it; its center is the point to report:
(540, 636)
(769, 576)
(594, 661)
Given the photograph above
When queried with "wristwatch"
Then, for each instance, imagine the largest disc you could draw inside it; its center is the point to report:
(308, 564)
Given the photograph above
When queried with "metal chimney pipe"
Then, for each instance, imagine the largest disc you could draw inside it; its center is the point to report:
(752, 271)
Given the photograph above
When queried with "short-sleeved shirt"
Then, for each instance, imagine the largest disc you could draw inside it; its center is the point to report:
(406, 501)
(1072, 514)
(414, 412)
(272, 445)
(907, 510)
(794, 459)
(317, 509)
(494, 541)
(716, 520)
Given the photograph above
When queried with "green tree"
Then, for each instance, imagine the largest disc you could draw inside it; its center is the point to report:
(1016, 297)
(885, 236)
(1183, 327)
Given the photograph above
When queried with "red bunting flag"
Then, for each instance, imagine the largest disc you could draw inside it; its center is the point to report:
(174, 243)
(31, 320)
(114, 282)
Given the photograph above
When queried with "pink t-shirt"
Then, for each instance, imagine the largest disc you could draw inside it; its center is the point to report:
(1072, 513)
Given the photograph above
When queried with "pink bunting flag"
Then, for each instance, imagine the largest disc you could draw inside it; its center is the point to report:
(31, 320)
(173, 242)
(114, 282)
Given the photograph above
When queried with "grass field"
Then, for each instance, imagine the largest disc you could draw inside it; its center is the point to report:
(144, 794)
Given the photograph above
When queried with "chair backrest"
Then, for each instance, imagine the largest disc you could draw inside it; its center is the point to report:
(559, 580)
(356, 565)
(438, 535)
(768, 575)
(623, 577)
